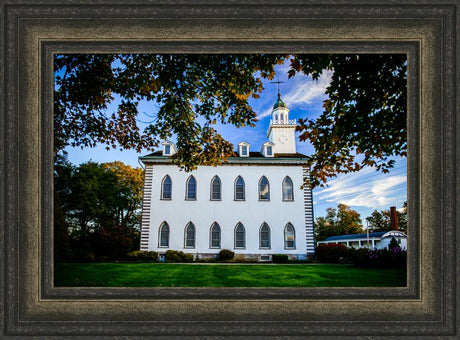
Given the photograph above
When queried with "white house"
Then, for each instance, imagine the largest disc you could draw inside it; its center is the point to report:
(375, 240)
(253, 204)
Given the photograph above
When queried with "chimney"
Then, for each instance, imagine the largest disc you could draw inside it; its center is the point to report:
(393, 218)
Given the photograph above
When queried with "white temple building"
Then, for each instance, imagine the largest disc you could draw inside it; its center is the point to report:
(253, 204)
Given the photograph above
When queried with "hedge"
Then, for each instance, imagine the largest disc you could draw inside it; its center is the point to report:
(225, 255)
(330, 253)
(174, 256)
(140, 255)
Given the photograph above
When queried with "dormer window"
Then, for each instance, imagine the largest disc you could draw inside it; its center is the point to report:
(269, 151)
(168, 148)
(243, 149)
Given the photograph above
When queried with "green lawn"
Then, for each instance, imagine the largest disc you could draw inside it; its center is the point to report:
(223, 275)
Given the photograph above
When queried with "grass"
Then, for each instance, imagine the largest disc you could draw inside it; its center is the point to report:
(223, 275)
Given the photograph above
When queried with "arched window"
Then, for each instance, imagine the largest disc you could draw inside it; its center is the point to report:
(190, 235)
(288, 189)
(282, 117)
(190, 189)
(264, 236)
(264, 189)
(240, 236)
(215, 236)
(289, 237)
(164, 235)
(276, 118)
(239, 189)
(216, 188)
(166, 188)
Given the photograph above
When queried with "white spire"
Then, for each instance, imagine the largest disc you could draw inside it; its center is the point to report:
(281, 130)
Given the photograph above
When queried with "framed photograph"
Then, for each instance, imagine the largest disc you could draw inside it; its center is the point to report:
(118, 211)
(34, 33)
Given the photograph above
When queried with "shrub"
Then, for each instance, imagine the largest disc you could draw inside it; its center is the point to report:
(225, 255)
(139, 255)
(330, 253)
(174, 256)
(134, 255)
(360, 257)
(90, 257)
(150, 256)
(393, 244)
(188, 258)
(114, 242)
(279, 258)
(380, 258)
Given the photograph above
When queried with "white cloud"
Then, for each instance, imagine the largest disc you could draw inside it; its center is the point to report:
(266, 113)
(365, 189)
(301, 90)
(305, 92)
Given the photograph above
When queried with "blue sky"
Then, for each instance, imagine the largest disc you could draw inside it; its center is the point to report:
(363, 191)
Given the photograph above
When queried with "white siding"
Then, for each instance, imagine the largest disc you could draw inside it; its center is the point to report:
(203, 212)
(146, 204)
(309, 218)
(284, 139)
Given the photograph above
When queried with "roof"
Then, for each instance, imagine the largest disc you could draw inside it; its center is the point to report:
(252, 154)
(377, 234)
(291, 159)
(279, 103)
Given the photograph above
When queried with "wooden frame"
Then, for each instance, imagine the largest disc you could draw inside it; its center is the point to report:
(31, 31)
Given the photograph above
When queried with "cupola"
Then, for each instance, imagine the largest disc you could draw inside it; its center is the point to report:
(281, 130)
(280, 112)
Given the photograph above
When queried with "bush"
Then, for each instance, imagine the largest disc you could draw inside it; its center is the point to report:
(330, 253)
(279, 258)
(115, 242)
(90, 257)
(226, 255)
(360, 257)
(174, 256)
(380, 258)
(393, 244)
(139, 255)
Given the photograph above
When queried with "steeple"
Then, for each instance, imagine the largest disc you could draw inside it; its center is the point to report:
(279, 103)
(281, 130)
(280, 112)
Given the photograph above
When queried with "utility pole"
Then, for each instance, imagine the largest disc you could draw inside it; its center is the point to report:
(367, 231)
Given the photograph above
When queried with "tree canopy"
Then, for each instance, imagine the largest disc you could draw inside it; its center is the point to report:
(340, 221)
(97, 208)
(94, 195)
(363, 123)
(364, 118)
(381, 221)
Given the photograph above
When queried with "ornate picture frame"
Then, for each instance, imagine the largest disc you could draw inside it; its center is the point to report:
(32, 31)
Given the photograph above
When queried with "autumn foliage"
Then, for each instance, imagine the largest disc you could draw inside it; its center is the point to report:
(363, 122)
(97, 210)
